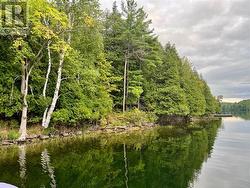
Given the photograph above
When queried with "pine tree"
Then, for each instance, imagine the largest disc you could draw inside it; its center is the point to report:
(167, 96)
(192, 85)
(129, 31)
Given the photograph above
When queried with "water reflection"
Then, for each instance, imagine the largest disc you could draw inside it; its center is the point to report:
(229, 164)
(125, 164)
(243, 115)
(161, 157)
(22, 164)
(47, 168)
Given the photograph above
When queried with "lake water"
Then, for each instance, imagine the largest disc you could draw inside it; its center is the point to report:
(212, 155)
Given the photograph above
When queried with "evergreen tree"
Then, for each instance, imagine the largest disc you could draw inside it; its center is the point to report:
(192, 85)
(114, 50)
(166, 95)
(211, 102)
(129, 31)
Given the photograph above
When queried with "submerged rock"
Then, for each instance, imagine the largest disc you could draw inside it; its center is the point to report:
(7, 143)
(149, 124)
(31, 137)
(21, 141)
(43, 137)
(79, 133)
(65, 134)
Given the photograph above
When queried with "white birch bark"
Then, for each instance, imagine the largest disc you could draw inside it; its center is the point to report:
(49, 111)
(24, 90)
(46, 81)
(26, 71)
(23, 79)
(56, 92)
(48, 70)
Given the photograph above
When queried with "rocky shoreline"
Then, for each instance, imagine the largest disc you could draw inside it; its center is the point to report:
(74, 133)
(115, 129)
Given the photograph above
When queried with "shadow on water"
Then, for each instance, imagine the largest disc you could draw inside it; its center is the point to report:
(161, 157)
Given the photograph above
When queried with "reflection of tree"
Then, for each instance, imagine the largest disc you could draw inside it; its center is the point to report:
(125, 164)
(161, 157)
(173, 161)
(243, 115)
(47, 168)
(22, 164)
(212, 132)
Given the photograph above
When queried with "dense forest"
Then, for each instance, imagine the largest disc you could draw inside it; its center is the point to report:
(79, 63)
(236, 108)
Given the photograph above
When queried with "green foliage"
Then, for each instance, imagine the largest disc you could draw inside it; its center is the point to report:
(9, 123)
(10, 99)
(13, 135)
(193, 88)
(158, 80)
(85, 92)
(134, 117)
(212, 105)
(48, 131)
(125, 40)
(137, 117)
(236, 108)
(164, 94)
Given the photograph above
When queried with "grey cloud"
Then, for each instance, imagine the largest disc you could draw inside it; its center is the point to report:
(240, 7)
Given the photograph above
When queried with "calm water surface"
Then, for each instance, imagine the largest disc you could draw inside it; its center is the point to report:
(229, 164)
(214, 155)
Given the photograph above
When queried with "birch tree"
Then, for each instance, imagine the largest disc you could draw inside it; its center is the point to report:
(27, 58)
(48, 113)
(29, 51)
(63, 46)
(84, 93)
(50, 26)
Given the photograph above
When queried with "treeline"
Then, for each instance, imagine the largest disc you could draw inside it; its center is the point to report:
(79, 64)
(236, 108)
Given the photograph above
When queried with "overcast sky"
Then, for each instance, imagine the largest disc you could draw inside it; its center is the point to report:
(213, 34)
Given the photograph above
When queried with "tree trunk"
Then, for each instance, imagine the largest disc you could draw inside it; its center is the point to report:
(23, 79)
(46, 81)
(48, 70)
(49, 111)
(24, 91)
(127, 82)
(44, 117)
(125, 85)
(56, 92)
